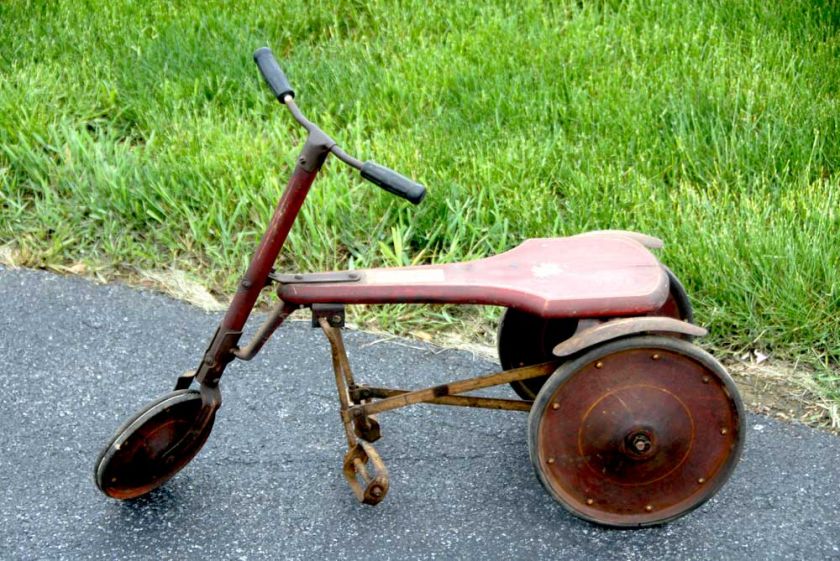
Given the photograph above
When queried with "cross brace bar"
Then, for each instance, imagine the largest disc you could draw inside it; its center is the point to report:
(447, 394)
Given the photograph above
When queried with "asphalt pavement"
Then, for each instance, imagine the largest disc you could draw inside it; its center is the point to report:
(78, 358)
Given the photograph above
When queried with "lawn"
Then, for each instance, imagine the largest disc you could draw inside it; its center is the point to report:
(138, 135)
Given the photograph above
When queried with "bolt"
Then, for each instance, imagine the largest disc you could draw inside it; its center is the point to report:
(649, 508)
(298, 277)
(209, 361)
(590, 501)
(555, 406)
(655, 356)
(246, 284)
(640, 442)
(336, 318)
(723, 431)
(599, 364)
(376, 491)
(701, 481)
(550, 460)
(706, 379)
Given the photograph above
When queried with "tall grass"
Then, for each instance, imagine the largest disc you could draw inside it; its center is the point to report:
(138, 135)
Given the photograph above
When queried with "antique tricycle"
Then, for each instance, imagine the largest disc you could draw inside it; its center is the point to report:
(630, 424)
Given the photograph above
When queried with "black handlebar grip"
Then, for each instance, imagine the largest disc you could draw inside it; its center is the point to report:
(274, 77)
(393, 182)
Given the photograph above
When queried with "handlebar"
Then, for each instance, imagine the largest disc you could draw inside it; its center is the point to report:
(273, 75)
(387, 179)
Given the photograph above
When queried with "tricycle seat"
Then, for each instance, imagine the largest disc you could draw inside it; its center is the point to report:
(589, 275)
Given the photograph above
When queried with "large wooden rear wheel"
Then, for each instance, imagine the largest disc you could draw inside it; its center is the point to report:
(636, 432)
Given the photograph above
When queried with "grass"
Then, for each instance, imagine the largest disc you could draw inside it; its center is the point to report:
(138, 135)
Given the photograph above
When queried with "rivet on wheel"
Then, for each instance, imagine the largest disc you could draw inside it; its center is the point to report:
(113, 480)
(649, 508)
(590, 501)
(655, 356)
(706, 379)
(701, 481)
(555, 406)
(599, 364)
(723, 431)
(550, 460)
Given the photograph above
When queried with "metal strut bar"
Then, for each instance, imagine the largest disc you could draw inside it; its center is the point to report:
(369, 485)
(365, 392)
(443, 394)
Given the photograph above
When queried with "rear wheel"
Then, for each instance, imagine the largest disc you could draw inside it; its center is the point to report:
(636, 432)
(525, 339)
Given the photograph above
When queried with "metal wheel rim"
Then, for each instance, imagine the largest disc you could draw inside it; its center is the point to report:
(170, 418)
(601, 510)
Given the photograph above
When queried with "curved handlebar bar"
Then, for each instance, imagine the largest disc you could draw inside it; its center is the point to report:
(382, 177)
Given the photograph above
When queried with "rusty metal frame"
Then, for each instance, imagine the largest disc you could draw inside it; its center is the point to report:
(453, 400)
(351, 395)
(363, 468)
(448, 394)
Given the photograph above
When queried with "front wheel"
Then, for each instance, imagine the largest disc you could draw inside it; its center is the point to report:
(154, 444)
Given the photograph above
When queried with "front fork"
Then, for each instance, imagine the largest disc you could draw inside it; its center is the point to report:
(223, 347)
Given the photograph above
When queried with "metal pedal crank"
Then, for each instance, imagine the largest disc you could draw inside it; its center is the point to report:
(369, 487)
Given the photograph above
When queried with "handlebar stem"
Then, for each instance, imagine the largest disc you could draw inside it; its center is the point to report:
(317, 142)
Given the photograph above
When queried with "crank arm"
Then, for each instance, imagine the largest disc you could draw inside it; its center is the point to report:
(185, 380)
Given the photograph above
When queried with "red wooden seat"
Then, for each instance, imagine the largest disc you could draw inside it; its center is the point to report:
(599, 274)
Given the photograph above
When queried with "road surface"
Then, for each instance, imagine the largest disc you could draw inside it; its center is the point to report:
(78, 358)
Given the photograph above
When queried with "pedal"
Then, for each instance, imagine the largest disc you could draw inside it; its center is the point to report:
(370, 487)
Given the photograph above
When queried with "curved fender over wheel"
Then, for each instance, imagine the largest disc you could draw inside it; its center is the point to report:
(619, 328)
(525, 339)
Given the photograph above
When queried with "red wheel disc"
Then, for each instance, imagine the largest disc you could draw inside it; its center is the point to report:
(636, 432)
(154, 445)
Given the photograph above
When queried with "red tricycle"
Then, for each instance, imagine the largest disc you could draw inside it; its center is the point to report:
(629, 423)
